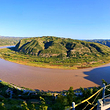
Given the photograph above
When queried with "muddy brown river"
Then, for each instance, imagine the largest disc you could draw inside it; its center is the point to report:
(52, 79)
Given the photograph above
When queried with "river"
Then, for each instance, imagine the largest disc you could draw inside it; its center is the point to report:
(6, 46)
(52, 79)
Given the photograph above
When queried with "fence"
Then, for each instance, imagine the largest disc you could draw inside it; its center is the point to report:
(100, 103)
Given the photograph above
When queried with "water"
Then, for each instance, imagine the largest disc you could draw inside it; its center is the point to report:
(52, 79)
(7, 46)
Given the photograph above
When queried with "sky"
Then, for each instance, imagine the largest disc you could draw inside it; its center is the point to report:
(76, 19)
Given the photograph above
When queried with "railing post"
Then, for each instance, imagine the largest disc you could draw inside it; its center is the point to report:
(11, 93)
(103, 93)
(73, 105)
(100, 104)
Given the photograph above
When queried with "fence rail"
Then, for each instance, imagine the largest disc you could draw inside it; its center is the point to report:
(100, 103)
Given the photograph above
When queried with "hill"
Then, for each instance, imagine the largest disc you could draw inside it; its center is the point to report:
(49, 46)
(101, 41)
(9, 40)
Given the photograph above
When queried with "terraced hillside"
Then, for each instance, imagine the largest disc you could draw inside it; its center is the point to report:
(48, 46)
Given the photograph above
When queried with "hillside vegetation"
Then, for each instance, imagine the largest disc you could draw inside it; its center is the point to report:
(60, 47)
(9, 40)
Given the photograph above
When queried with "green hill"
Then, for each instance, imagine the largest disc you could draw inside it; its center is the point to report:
(49, 46)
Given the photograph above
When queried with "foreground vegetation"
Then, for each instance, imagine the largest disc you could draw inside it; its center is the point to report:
(17, 98)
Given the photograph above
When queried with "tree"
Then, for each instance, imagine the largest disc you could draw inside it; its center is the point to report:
(103, 81)
(70, 95)
(43, 104)
(24, 106)
(2, 106)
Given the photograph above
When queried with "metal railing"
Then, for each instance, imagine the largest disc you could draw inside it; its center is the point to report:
(100, 103)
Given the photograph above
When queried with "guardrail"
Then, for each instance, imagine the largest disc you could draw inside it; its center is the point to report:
(100, 103)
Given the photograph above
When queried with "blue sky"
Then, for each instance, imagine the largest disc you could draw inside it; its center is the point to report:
(76, 19)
